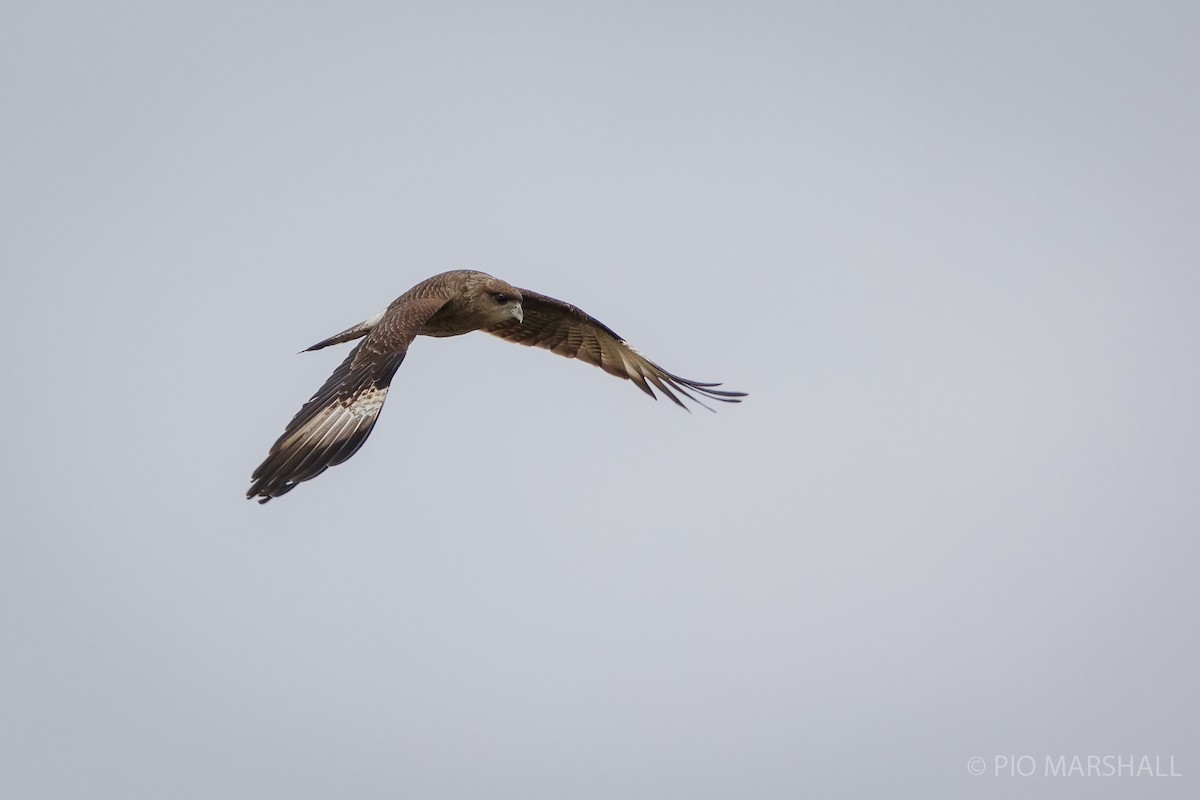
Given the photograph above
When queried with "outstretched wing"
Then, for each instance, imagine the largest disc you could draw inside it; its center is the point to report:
(335, 422)
(569, 331)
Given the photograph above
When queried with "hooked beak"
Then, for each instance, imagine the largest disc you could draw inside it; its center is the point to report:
(518, 312)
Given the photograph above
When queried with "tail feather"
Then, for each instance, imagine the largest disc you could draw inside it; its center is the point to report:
(350, 334)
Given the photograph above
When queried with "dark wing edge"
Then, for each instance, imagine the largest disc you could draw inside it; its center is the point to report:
(571, 332)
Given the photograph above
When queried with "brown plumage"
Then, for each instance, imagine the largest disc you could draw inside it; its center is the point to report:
(335, 422)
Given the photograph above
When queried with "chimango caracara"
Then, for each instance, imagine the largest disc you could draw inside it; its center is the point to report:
(336, 421)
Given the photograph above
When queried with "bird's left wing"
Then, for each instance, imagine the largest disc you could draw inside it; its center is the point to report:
(569, 331)
(335, 422)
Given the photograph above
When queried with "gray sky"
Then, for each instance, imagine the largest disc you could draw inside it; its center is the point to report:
(951, 250)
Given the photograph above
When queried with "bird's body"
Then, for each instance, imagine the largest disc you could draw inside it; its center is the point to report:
(335, 422)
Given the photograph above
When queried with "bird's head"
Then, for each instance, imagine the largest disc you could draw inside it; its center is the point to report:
(495, 300)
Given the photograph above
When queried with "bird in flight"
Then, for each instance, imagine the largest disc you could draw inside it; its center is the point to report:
(335, 422)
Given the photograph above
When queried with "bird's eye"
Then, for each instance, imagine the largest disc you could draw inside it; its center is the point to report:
(501, 298)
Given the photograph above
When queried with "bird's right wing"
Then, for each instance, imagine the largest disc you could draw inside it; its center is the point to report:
(335, 422)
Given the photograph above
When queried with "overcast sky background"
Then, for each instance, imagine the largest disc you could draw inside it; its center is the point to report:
(950, 249)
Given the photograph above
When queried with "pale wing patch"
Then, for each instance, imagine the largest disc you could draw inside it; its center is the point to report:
(631, 367)
(341, 419)
(368, 403)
